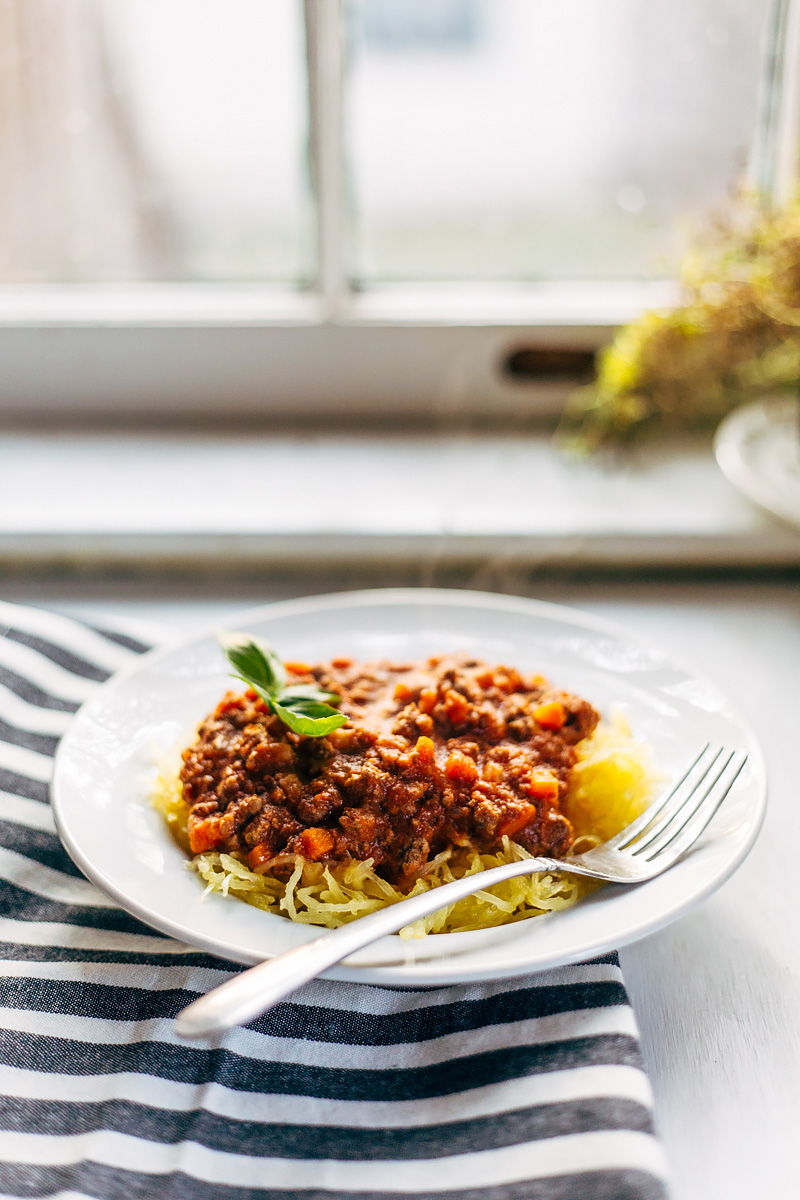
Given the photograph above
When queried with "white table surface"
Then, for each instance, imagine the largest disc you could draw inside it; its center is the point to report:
(717, 995)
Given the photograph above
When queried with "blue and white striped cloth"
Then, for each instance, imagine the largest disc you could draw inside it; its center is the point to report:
(529, 1089)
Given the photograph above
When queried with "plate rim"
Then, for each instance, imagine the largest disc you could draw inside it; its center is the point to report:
(441, 971)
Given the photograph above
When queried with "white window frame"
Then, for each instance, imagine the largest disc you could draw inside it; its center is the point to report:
(415, 350)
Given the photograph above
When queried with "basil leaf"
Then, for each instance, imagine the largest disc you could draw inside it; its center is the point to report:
(310, 691)
(308, 717)
(302, 706)
(255, 661)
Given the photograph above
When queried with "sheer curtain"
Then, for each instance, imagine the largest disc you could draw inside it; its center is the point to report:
(76, 198)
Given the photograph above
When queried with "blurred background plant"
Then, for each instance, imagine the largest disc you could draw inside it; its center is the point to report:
(735, 335)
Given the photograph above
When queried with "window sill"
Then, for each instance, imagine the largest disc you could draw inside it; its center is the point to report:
(80, 351)
(602, 305)
(168, 499)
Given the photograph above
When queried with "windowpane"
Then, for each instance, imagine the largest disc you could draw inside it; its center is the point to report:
(543, 139)
(153, 139)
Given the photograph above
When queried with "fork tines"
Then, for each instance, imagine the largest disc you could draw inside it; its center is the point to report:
(678, 818)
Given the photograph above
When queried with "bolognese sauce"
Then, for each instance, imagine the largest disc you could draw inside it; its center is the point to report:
(450, 751)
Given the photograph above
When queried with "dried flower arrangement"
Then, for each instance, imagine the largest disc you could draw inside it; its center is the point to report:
(736, 334)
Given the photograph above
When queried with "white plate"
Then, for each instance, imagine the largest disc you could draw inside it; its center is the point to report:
(104, 761)
(758, 449)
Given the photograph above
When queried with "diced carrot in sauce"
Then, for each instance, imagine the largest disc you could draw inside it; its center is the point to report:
(485, 679)
(204, 835)
(316, 843)
(297, 668)
(269, 754)
(508, 680)
(259, 856)
(403, 692)
(550, 716)
(517, 821)
(427, 700)
(456, 707)
(339, 663)
(460, 768)
(424, 749)
(542, 785)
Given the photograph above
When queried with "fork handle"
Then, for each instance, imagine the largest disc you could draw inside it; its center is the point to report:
(255, 991)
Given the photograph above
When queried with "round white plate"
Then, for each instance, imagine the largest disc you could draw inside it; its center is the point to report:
(758, 448)
(100, 787)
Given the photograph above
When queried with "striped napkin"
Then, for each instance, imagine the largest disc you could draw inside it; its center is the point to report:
(529, 1089)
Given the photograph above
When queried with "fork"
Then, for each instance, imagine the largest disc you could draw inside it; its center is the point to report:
(645, 848)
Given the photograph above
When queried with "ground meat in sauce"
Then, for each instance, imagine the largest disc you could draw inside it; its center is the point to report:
(450, 751)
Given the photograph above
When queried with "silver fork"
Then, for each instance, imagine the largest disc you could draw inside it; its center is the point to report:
(648, 846)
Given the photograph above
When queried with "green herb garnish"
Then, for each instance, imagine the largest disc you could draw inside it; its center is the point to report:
(735, 335)
(304, 707)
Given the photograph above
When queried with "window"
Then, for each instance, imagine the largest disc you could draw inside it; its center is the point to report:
(541, 141)
(156, 141)
(210, 203)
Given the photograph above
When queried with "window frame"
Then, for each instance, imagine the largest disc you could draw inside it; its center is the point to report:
(432, 350)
